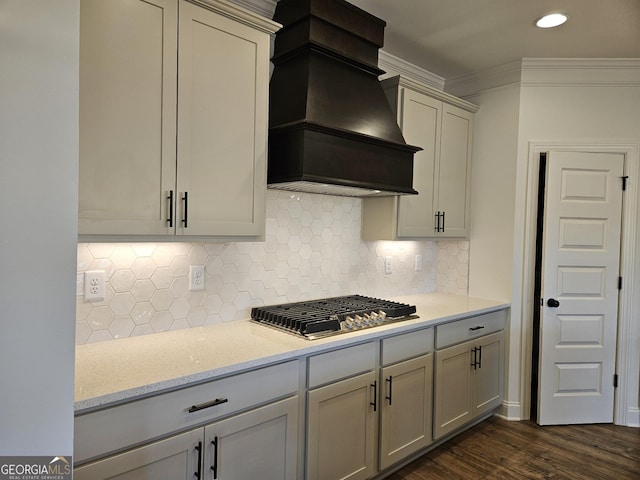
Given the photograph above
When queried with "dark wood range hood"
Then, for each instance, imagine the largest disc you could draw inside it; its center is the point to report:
(331, 128)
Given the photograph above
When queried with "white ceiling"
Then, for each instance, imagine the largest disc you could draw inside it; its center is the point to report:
(457, 37)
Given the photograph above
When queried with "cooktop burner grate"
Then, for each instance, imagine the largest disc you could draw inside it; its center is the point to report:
(330, 316)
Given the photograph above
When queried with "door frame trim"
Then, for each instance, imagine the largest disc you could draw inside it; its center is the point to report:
(624, 412)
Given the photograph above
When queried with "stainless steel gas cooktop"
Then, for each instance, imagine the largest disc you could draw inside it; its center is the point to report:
(331, 316)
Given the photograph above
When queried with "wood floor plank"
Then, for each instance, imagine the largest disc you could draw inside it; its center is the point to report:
(501, 450)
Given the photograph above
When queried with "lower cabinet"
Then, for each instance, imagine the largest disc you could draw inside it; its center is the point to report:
(362, 419)
(468, 382)
(341, 429)
(261, 443)
(175, 457)
(405, 404)
(369, 407)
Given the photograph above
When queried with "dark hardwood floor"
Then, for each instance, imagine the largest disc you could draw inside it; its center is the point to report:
(523, 450)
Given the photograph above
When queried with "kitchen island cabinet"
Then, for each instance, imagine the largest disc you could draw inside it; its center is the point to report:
(173, 119)
(442, 125)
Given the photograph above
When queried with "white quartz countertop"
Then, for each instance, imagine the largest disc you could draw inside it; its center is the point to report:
(121, 370)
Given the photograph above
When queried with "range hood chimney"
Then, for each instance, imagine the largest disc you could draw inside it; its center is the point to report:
(331, 128)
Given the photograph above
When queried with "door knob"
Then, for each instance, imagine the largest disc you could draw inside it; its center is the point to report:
(553, 303)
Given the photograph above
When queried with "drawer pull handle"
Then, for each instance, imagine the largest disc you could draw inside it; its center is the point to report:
(170, 198)
(185, 219)
(374, 404)
(214, 467)
(202, 406)
(390, 396)
(479, 327)
(198, 473)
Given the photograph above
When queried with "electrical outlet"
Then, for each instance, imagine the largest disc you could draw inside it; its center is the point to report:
(418, 263)
(196, 277)
(387, 265)
(94, 285)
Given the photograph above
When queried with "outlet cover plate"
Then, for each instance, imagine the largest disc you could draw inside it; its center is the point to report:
(196, 277)
(94, 285)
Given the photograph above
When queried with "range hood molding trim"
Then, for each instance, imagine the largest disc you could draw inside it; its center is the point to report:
(349, 134)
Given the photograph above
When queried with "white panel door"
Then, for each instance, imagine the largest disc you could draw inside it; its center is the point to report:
(583, 214)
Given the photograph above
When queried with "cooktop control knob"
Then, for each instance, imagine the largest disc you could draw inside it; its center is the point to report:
(348, 323)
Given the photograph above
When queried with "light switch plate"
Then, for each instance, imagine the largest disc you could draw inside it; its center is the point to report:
(387, 265)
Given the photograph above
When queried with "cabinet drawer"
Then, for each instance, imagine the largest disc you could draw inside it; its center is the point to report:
(469, 328)
(116, 428)
(407, 345)
(339, 364)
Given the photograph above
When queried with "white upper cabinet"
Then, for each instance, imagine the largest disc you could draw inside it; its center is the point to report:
(127, 115)
(442, 125)
(173, 118)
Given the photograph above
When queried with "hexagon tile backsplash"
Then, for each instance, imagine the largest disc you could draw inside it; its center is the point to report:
(312, 249)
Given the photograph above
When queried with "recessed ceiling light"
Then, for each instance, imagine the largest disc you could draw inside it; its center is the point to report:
(551, 20)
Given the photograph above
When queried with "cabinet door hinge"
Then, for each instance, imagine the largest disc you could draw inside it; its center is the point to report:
(619, 283)
(624, 182)
(615, 380)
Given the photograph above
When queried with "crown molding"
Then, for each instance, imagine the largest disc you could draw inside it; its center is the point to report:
(549, 72)
(430, 91)
(618, 72)
(239, 11)
(264, 8)
(494, 77)
(393, 65)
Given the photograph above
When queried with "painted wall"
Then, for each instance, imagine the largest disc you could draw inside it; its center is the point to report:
(495, 150)
(38, 209)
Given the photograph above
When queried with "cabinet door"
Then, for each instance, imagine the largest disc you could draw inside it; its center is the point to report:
(420, 120)
(261, 443)
(341, 429)
(127, 115)
(454, 170)
(175, 458)
(405, 404)
(453, 389)
(489, 375)
(222, 118)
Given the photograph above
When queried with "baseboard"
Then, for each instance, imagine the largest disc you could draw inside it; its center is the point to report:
(511, 411)
(633, 417)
